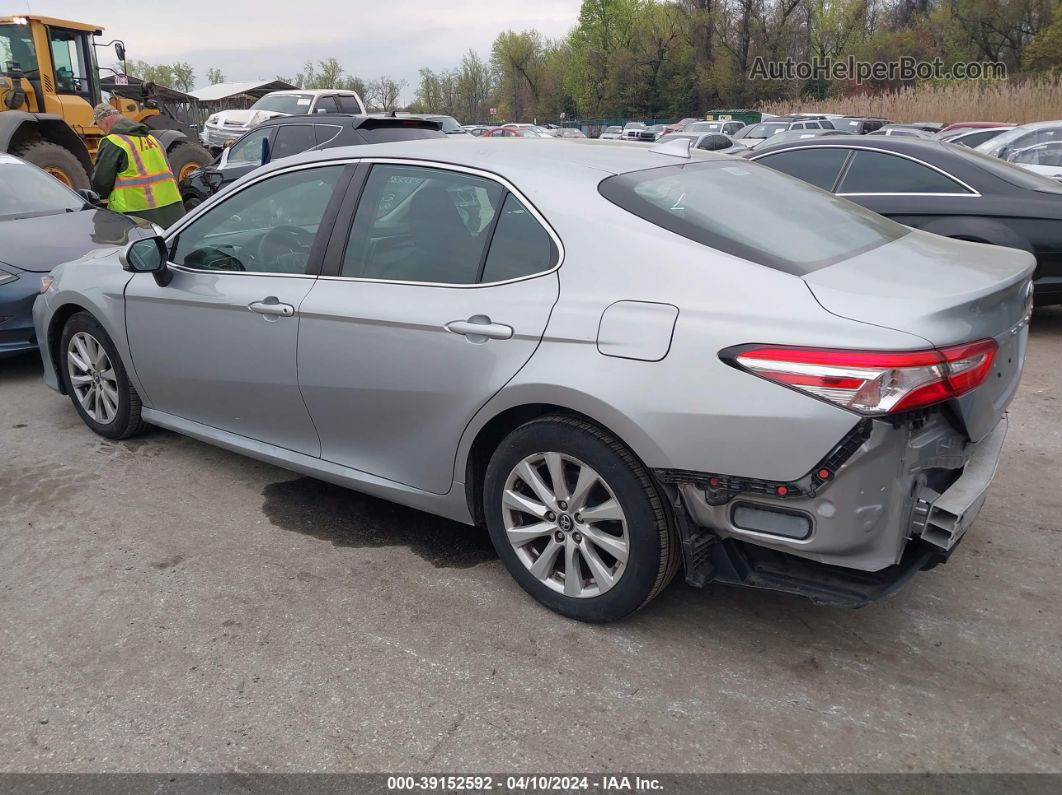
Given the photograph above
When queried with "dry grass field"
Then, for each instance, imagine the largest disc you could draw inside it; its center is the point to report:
(1012, 101)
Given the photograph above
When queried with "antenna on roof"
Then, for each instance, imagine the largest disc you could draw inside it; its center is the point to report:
(676, 147)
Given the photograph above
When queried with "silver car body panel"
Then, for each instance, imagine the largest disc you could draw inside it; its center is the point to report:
(399, 400)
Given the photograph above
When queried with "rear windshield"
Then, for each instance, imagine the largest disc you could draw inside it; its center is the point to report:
(767, 130)
(1008, 172)
(27, 191)
(376, 135)
(752, 212)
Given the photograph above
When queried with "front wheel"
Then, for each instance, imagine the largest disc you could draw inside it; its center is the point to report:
(577, 521)
(96, 380)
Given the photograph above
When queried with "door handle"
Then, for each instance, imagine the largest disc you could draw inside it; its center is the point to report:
(271, 306)
(479, 328)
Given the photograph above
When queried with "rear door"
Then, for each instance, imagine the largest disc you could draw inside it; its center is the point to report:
(436, 291)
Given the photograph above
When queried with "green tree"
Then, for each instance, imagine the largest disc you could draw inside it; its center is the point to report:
(183, 76)
(214, 76)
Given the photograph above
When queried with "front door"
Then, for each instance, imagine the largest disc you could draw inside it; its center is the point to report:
(217, 345)
(439, 296)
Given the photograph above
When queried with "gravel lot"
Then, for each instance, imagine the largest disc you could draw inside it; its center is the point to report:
(168, 606)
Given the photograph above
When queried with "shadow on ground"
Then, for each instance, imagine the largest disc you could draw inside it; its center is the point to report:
(349, 519)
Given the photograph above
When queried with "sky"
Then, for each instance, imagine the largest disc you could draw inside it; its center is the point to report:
(259, 39)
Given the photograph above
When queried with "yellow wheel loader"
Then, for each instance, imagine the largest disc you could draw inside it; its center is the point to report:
(49, 84)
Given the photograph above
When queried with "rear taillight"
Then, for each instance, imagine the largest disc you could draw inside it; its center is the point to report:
(871, 382)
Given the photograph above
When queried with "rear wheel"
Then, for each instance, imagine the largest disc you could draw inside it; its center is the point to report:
(59, 162)
(577, 521)
(96, 380)
(185, 158)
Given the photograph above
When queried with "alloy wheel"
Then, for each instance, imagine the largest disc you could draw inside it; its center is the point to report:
(565, 524)
(92, 377)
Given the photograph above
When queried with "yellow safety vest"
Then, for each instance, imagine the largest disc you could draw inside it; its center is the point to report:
(147, 181)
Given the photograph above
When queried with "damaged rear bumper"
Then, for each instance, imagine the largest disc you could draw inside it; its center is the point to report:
(889, 500)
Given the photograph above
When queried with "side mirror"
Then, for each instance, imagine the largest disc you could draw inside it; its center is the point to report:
(213, 180)
(148, 255)
(119, 50)
(90, 196)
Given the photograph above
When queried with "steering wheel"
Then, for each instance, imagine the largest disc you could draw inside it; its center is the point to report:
(288, 239)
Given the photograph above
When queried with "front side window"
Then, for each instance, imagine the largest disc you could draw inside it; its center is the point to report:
(326, 105)
(724, 205)
(421, 225)
(818, 167)
(248, 150)
(876, 172)
(292, 139)
(268, 227)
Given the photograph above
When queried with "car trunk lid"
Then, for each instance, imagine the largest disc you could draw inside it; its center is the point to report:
(947, 292)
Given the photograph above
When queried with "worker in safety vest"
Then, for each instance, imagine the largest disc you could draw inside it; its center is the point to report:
(132, 173)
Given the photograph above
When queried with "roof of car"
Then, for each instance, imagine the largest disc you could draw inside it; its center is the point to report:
(314, 91)
(512, 157)
(924, 146)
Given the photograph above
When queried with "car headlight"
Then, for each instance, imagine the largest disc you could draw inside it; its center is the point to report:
(46, 283)
(7, 277)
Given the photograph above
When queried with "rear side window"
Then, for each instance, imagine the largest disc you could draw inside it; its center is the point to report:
(520, 246)
(326, 133)
(875, 172)
(751, 212)
(292, 139)
(819, 167)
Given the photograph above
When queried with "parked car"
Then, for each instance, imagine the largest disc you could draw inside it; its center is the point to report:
(633, 129)
(289, 135)
(318, 315)
(971, 137)
(725, 127)
(680, 125)
(568, 132)
(962, 126)
(706, 141)
(790, 135)
(612, 133)
(931, 185)
(42, 224)
(478, 129)
(1036, 147)
(517, 131)
(902, 131)
(781, 124)
(858, 124)
(228, 125)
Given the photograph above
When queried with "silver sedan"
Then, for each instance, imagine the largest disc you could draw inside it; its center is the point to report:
(622, 361)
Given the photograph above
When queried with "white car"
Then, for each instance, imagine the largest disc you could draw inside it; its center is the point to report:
(1036, 146)
(228, 125)
(613, 133)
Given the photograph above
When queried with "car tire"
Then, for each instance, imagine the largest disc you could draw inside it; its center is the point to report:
(623, 557)
(107, 401)
(185, 157)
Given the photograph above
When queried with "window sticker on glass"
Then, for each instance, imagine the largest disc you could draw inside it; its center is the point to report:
(305, 101)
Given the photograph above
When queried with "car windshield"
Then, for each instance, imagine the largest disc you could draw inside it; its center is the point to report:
(292, 104)
(26, 191)
(996, 145)
(449, 124)
(1008, 172)
(16, 44)
(613, 129)
(705, 126)
(722, 205)
(767, 130)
